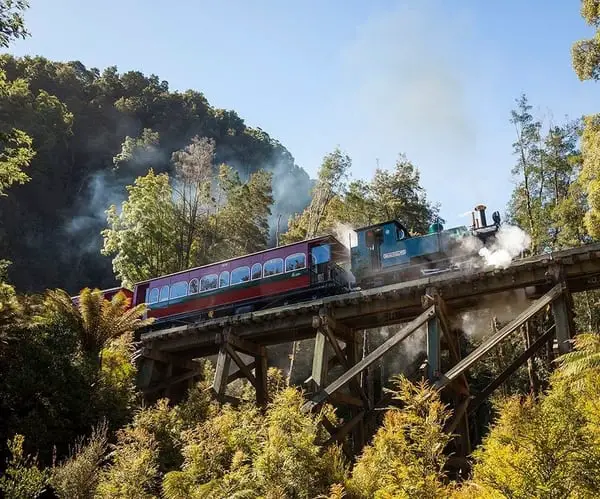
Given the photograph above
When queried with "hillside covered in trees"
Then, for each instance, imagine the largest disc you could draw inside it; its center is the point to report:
(108, 177)
(93, 133)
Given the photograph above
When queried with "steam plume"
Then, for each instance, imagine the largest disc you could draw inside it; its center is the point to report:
(509, 243)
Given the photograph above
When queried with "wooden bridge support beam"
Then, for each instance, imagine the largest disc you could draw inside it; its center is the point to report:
(463, 366)
(562, 319)
(436, 327)
(434, 347)
(160, 374)
(228, 351)
(327, 332)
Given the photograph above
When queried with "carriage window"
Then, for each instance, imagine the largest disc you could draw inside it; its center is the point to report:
(194, 288)
(321, 254)
(256, 271)
(296, 261)
(273, 267)
(224, 279)
(241, 274)
(164, 293)
(179, 289)
(209, 282)
(153, 295)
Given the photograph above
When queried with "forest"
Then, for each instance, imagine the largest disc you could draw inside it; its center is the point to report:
(110, 178)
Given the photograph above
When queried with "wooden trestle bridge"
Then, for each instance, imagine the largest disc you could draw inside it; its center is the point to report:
(167, 356)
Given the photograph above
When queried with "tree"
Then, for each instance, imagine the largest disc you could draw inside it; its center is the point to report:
(142, 237)
(241, 224)
(15, 145)
(586, 53)
(544, 448)
(547, 200)
(585, 357)
(586, 63)
(194, 204)
(398, 195)
(395, 194)
(12, 25)
(331, 182)
(95, 319)
(142, 149)
(81, 122)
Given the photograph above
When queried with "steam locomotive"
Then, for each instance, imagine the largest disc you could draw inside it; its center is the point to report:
(381, 254)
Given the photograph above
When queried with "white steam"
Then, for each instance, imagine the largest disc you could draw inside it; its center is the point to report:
(345, 234)
(505, 306)
(499, 252)
(509, 243)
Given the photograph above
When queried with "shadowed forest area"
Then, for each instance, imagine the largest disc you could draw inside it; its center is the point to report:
(111, 178)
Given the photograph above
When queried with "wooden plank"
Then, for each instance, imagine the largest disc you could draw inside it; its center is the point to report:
(262, 395)
(320, 364)
(514, 365)
(355, 381)
(369, 359)
(563, 326)
(498, 337)
(433, 349)
(240, 363)
(242, 345)
(221, 372)
(173, 380)
(341, 432)
(239, 374)
(345, 399)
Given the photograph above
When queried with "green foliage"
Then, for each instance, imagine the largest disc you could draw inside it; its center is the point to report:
(23, 479)
(15, 153)
(238, 453)
(79, 475)
(94, 319)
(142, 236)
(406, 457)
(134, 471)
(12, 25)
(395, 194)
(83, 122)
(586, 53)
(543, 449)
(16, 150)
(547, 200)
(198, 217)
(576, 365)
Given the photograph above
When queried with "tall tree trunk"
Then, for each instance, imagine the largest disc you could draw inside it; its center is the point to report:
(534, 384)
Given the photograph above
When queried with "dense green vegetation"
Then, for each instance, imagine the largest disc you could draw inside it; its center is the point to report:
(75, 137)
(100, 169)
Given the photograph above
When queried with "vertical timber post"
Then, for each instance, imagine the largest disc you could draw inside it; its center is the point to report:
(319, 367)
(560, 312)
(146, 372)
(358, 433)
(433, 348)
(260, 372)
(221, 372)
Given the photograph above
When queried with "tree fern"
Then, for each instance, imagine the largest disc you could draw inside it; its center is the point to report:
(96, 319)
(585, 357)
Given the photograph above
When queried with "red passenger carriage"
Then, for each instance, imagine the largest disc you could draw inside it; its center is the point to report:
(297, 271)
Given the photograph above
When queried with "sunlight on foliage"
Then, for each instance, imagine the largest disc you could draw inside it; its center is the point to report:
(406, 456)
(22, 478)
(134, 471)
(79, 475)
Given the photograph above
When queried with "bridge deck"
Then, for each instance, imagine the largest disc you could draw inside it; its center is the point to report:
(580, 267)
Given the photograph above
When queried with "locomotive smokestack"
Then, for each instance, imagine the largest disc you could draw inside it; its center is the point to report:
(481, 209)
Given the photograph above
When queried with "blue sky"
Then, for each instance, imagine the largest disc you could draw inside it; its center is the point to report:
(435, 80)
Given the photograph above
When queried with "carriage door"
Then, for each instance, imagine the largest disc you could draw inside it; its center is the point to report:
(320, 268)
(374, 239)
